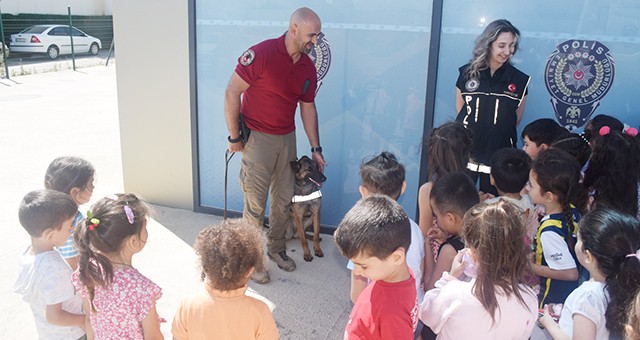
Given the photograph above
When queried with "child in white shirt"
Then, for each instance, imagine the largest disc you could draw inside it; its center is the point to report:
(45, 278)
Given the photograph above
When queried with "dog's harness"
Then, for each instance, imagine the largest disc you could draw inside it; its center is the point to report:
(305, 198)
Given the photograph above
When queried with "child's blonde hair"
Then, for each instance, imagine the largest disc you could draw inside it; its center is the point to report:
(494, 231)
(633, 321)
(228, 253)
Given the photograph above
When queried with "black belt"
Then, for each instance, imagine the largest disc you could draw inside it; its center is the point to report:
(475, 167)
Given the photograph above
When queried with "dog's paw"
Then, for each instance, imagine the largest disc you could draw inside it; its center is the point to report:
(308, 258)
(318, 253)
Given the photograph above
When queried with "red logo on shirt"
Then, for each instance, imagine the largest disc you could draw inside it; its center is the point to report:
(247, 57)
(512, 87)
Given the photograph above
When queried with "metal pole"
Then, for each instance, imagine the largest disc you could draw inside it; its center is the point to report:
(73, 52)
(110, 51)
(4, 52)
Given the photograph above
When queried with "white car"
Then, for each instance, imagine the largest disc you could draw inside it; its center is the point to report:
(53, 40)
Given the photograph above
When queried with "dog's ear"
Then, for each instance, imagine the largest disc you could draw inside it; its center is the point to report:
(294, 166)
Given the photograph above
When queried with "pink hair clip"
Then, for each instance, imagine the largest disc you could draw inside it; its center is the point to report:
(631, 131)
(94, 223)
(604, 130)
(129, 213)
(636, 255)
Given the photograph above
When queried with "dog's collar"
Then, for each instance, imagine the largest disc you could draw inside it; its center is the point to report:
(305, 198)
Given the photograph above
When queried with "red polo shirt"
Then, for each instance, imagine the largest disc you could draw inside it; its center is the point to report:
(276, 85)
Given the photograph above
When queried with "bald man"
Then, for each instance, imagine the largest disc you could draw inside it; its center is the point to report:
(274, 77)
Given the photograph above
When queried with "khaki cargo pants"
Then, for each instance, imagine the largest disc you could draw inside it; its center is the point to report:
(265, 165)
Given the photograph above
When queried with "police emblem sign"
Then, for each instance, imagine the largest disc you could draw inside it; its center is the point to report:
(578, 74)
(321, 57)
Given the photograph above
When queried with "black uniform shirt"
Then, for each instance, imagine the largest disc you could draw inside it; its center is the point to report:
(489, 109)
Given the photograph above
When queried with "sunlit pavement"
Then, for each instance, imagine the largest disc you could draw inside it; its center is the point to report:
(49, 114)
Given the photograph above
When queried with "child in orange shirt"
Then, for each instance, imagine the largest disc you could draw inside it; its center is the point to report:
(229, 253)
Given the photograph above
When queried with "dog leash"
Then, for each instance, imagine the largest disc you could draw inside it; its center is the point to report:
(227, 158)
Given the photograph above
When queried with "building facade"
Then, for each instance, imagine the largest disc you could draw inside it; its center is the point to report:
(388, 74)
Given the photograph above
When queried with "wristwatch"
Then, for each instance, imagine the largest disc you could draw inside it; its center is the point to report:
(235, 140)
(316, 149)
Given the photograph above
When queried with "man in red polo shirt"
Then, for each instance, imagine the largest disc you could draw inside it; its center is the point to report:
(273, 77)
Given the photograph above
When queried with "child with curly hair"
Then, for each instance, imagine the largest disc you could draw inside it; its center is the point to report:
(229, 253)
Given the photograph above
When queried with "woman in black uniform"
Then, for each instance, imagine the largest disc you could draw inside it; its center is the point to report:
(490, 97)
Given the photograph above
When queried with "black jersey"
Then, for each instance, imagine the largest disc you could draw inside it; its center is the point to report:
(489, 109)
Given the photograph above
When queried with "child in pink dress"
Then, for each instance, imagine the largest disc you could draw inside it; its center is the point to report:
(119, 301)
(496, 303)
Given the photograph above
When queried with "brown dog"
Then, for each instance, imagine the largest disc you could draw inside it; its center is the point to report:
(306, 202)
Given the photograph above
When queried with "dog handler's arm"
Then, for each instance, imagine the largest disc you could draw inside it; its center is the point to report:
(232, 109)
(309, 116)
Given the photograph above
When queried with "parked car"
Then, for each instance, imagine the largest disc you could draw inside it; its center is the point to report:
(53, 40)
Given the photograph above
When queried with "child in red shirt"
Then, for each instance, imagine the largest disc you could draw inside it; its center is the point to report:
(375, 235)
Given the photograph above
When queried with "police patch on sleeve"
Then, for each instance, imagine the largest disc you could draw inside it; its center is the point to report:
(247, 57)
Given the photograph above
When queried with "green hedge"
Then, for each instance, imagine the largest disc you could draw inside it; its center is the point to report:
(100, 27)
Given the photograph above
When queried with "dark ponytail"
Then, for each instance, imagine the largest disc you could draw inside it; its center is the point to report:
(94, 268)
(613, 238)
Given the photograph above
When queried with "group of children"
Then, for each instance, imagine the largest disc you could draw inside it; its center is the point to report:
(520, 264)
(78, 278)
(77, 274)
(475, 266)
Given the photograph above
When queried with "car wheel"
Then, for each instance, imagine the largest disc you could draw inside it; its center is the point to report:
(53, 52)
(94, 49)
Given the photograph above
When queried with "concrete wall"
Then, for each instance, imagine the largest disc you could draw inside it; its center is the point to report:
(78, 7)
(154, 99)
